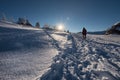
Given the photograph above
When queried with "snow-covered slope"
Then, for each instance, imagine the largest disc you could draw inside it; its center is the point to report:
(17, 26)
(36, 54)
(96, 58)
(24, 54)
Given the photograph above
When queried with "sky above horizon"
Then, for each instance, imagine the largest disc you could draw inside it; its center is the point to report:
(95, 15)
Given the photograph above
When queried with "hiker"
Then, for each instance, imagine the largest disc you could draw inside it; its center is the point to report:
(84, 32)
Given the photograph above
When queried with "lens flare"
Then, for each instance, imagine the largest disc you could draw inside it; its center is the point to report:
(60, 27)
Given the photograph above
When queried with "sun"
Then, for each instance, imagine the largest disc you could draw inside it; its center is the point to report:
(60, 27)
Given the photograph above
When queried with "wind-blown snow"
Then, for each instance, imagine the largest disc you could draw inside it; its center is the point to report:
(36, 54)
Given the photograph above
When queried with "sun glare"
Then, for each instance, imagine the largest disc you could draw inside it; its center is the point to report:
(60, 27)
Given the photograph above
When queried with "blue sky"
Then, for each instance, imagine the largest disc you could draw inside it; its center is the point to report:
(95, 15)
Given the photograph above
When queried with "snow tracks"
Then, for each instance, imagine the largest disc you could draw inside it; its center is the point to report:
(99, 62)
(83, 60)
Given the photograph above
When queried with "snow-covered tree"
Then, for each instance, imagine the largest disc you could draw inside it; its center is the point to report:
(68, 31)
(24, 22)
(4, 17)
(28, 23)
(37, 25)
(21, 21)
(46, 26)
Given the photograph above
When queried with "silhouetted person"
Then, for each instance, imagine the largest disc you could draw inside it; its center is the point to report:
(84, 33)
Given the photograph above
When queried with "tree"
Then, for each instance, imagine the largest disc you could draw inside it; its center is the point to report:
(68, 31)
(28, 23)
(37, 25)
(23, 21)
(46, 26)
(4, 17)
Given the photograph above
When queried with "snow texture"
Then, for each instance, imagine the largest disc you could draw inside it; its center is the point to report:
(96, 58)
(25, 54)
(34, 54)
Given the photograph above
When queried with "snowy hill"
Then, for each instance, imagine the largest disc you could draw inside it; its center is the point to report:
(25, 53)
(36, 54)
(115, 29)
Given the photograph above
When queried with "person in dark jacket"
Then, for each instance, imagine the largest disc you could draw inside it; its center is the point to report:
(84, 33)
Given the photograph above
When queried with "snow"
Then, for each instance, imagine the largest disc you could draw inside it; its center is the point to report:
(36, 54)
(96, 58)
(24, 54)
(16, 26)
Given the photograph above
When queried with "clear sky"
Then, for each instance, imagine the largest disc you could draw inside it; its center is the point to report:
(95, 15)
